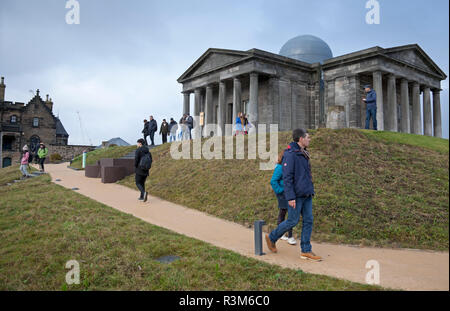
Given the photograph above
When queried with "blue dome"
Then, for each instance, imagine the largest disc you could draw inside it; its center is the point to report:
(307, 48)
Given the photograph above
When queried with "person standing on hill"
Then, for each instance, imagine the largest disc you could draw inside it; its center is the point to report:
(173, 127)
(146, 131)
(164, 130)
(42, 154)
(299, 192)
(142, 163)
(371, 108)
(153, 127)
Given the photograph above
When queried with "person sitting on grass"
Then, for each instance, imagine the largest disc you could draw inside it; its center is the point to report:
(277, 185)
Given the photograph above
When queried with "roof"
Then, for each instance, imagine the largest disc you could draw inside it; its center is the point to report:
(116, 141)
(60, 130)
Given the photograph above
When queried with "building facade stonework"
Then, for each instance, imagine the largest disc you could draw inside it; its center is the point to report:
(30, 125)
(275, 89)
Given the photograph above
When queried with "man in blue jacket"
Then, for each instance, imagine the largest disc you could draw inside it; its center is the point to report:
(371, 107)
(299, 191)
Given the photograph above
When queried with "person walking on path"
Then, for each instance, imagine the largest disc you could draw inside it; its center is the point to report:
(182, 127)
(173, 127)
(239, 123)
(371, 107)
(164, 130)
(24, 162)
(153, 127)
(277, 185)
(299, 192)
(146, 131)
(142, 164)
(42, 154)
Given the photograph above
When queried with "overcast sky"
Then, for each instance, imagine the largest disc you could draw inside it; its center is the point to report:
(120, 64)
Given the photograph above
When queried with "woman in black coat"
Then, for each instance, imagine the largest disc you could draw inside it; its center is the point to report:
(141, 174)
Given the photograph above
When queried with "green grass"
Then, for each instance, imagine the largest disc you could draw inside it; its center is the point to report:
(433, 143)
(110, 152)
(371, 192)
(43, 225)
(11, 173)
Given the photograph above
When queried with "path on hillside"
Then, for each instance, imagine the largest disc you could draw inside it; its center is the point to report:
(399, 268)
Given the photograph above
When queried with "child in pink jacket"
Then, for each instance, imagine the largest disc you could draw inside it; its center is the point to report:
(24, 162)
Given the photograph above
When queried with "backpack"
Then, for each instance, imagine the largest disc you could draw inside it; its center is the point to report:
(146, 162)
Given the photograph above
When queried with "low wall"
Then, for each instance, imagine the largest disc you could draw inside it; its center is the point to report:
(67, 152)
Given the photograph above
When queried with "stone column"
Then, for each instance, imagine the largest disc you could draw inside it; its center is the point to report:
(417, 117)
(405, 124)
(237, 99)
(392, 105)
(197, 102)
(437, 118)
(253, 102)
(427, 124)
(186, 104)
(378, 87)
(209, 105)
(221, 108)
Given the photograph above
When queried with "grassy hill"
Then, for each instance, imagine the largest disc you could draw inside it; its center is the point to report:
(43, 225)
(372, 188)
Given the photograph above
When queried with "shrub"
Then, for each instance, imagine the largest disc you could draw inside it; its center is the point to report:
(112, 145)
(55, 157)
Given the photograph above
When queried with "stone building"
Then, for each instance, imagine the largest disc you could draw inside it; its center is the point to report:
(29, 125)
(305, 86)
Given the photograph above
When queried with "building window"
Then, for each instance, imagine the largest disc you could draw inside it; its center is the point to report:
(6, 162)
(13, 119)
(35, 122)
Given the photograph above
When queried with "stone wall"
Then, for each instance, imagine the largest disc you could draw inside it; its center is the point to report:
(67, 152)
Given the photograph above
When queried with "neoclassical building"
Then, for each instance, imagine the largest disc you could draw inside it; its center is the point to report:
(305, 86)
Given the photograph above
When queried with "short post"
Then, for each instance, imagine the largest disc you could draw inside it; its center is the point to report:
(258, 237)
(84, 158)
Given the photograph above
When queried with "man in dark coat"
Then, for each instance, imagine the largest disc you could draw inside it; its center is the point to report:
(145, 131)
(190, 124)
(141, 174)
(153, 127)
(164, 130)
(299, 192)
(371, 107)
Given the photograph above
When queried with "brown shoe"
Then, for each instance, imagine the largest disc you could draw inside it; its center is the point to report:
(270, 244)
(310, 256)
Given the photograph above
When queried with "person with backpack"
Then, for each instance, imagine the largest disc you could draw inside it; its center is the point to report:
(142, 163)
(42, 154)
(299, 192)
(277, 185)
(24, 162)
(190, 124)
(173, 127)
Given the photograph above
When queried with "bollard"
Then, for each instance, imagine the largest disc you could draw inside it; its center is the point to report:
(84, 159)
(258, 237)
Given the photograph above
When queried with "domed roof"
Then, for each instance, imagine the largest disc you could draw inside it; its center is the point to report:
(307, 48)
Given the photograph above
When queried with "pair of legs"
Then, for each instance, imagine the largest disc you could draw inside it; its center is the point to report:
(283, 206)
(172, 138)
(41, 163)
(303, 207)
(145, 138)
(152, 138)
(24, 170)
(371, 112)
(164, 138)
(140, 183)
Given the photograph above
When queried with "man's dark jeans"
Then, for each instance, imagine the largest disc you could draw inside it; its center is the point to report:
(152, 137)
(303, 206)
(140, 183)
(371, 112)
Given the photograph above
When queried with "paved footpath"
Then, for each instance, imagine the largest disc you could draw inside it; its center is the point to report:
(399, 268)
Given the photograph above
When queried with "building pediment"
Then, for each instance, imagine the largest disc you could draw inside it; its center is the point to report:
(415, 56)
(213, 59)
